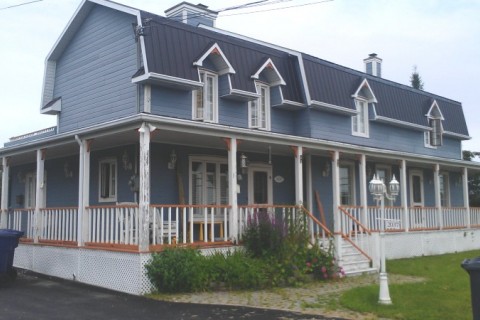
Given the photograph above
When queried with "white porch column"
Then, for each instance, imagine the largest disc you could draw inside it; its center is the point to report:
(337, 228)
(39, 193)
(144, 187)
(466, 201)
(4, 199)
(438, 199)
(83, 190)
(298, 175)
(308, 182)
(362, 169)
(403, 193)
(232, 187)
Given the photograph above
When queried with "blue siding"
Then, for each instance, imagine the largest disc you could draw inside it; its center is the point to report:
(233, 113)
(337, 127)
(282, 121)
(172, 102)
(324, 187)
(62, 191)
(93, 75)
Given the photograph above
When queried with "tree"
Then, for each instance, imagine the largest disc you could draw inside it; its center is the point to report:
(473, 180)
(416, 80)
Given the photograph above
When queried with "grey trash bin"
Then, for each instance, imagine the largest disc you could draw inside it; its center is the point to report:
(8, 243)
(472, 266)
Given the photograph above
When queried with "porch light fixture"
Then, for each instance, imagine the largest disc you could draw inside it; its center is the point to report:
(243, 161)
(326, 169)
(379, 192)
(173, 160)
(67, 171)
(127, 165)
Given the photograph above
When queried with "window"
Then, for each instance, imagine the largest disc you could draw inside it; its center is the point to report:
(205, 100)
(360, 121)
(259, 109)
(108, 180)
(346, 185)
(208, 181)
(444, 190)
(433, 137)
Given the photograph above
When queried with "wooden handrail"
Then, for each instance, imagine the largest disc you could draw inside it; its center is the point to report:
(324, 227)
(355, 220)
(356, 247)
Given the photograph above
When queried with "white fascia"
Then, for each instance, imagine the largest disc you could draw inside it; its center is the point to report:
(365, 83)
(401, 123)
(332, 107)
(456, 135)
(227, 69)
(266, 44)
(269, 64)
(433, 107)
(152, 76)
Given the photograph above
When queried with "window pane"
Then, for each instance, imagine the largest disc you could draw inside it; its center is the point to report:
(197, 182)
(254, 113)
(345, 186)
(260, 187)
(211, 184)
(263, 108)
(223, 184)
(417, 191)
(209, 98)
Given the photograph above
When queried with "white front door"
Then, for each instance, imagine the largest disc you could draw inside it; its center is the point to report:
(260, 184)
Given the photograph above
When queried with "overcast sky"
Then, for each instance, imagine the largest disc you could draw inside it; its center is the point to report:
(440, 37)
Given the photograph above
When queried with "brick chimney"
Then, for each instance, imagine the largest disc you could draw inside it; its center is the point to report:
(373, 65)
(192, 14)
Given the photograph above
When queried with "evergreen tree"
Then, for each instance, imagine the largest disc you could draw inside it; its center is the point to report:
(416, 80)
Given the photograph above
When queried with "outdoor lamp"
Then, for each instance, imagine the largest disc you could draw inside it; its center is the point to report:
(173, 160)
(394, 187)
(243, 161)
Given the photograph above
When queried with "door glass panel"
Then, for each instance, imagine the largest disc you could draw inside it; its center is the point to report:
(211, 184)
(345, 186)
(223, 184)
(417, 189)
(197, 182)
(260, 187)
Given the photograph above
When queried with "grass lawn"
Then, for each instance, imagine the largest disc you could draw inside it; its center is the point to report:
(443, 294)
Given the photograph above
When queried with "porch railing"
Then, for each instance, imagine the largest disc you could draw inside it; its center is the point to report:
(189, 223)
(113, 224)
(22, 220)
(423, 218)
(317, 231)
(475, 216)
(59, 224)
(454, 217)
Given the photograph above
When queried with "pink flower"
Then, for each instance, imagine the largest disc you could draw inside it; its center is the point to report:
(309, 264)
(324, 270)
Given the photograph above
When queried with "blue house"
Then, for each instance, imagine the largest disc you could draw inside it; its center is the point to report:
(172, 131)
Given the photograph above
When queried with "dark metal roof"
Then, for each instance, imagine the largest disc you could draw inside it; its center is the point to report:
(172, 47)
(335, 84)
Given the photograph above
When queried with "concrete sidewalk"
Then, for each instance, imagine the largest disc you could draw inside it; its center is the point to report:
(37, 297)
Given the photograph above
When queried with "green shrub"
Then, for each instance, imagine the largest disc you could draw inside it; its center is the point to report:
(178, 270)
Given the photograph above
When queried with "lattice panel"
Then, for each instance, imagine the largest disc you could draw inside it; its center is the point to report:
(223, 250)
(23, 257)
(56, 261)
(146, 285)
(118, 271)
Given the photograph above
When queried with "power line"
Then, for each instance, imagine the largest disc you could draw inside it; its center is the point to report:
(289, 7)
(21, 4)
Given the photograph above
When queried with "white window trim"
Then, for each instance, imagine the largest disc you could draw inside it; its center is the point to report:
(111, 198)
(426, 140)
(259, 86)
(366, 122)
(32, 196)
(204, 73)
(205, 159)
(353, 195)
(422, 193)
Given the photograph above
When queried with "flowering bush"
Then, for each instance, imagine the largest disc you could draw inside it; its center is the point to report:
(322, 264)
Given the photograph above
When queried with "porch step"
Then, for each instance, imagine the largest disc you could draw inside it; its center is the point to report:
(353, 262)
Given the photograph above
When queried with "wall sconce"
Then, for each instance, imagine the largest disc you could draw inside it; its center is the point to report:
(66, 169)
(173, 160)
(127, 165)
(243, 163)
(326, 169)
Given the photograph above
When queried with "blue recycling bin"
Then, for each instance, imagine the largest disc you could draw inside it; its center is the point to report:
(472, 266)
(8, 243)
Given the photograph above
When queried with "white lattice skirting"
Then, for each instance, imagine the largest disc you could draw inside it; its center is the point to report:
(119, 271)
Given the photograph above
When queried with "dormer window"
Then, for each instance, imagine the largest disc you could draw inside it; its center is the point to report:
(360, 121)
(362, 97)
(205, 100)
(259, 109)
(434, 137)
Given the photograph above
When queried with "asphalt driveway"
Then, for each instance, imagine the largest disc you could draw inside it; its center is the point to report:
(37, 297)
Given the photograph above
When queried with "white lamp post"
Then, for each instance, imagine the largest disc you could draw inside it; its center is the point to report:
(379, 192)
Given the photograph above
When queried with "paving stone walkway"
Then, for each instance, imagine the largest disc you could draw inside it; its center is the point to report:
(320, 298)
